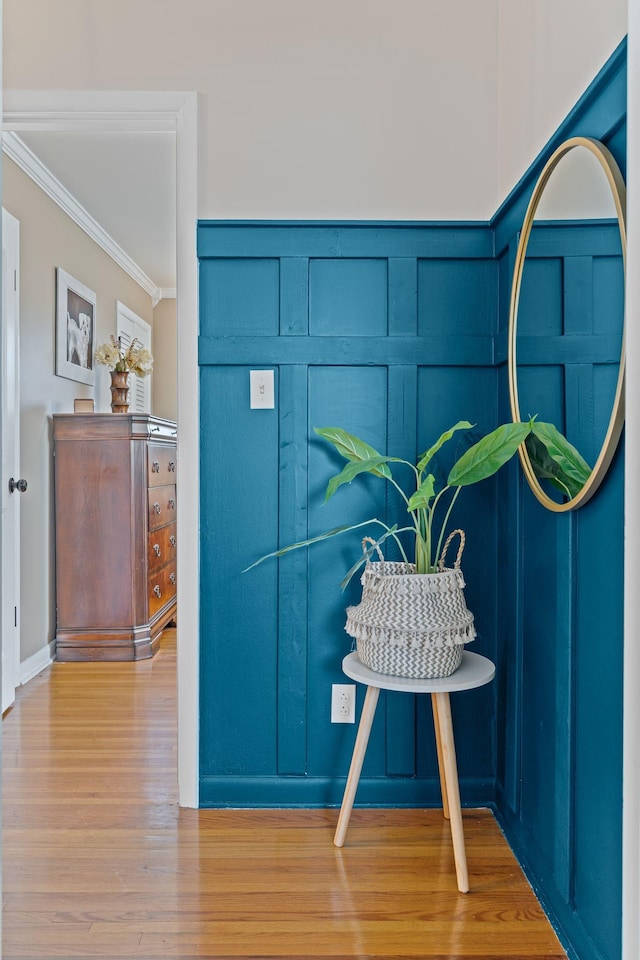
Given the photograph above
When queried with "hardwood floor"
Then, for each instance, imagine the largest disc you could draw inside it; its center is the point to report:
(99, 861)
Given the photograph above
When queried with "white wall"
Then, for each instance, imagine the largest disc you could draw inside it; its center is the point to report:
(414, 109)
(164, 382)
(340, 108)
(550, 51)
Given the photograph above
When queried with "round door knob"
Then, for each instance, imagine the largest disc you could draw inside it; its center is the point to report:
(20, 485)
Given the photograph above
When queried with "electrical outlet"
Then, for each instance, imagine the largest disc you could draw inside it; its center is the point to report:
(343, 703)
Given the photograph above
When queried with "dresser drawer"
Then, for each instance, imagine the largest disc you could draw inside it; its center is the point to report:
(162, 506)
(161, 464)
(162, 547)
(162, 588)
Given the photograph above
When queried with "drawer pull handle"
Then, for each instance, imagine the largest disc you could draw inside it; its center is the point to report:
(155, 429)
(156, 549)
(172, 504)
(157, 591)
(157, 508)
(172, 577)
(172, 541)
(155, 467)
(172, 466)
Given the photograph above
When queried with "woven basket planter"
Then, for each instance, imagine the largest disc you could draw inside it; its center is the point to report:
(412, 624)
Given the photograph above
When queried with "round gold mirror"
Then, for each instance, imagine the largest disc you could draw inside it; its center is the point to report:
(566, 319)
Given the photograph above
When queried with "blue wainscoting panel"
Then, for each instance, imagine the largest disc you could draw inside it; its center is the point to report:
(348, 298)
(238, 650)
(559, 708)
(457, 297)
(598, 714)
(335, 311)
(350, 397)
(240, 296)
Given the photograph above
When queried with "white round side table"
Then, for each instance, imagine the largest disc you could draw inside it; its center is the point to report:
(474, 671)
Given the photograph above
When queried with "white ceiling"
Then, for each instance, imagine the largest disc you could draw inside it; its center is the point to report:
(127, 183)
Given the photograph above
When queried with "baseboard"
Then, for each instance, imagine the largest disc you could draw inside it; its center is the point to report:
(290, 791)
(37, 662)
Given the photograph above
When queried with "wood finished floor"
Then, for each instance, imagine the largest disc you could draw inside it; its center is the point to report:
(99, 861)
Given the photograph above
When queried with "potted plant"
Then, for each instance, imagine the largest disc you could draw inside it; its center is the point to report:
(412, 620)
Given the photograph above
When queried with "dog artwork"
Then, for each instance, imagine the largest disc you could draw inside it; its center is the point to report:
(76, 308)
(79, 339)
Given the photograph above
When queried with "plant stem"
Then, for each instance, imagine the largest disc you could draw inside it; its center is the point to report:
(399, 488)
(422, 556)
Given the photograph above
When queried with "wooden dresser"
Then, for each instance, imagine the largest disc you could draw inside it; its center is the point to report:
(115, 534)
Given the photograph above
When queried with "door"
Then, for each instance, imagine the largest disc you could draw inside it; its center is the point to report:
(10, 497)
(130, 327)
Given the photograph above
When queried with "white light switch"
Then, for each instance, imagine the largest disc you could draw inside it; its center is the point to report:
(261, 389)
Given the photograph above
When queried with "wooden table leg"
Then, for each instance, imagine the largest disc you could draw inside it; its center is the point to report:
(443, 710)
(443, 780)
(359, 750)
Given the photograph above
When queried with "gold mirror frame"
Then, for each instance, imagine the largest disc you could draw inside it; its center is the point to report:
(616, 421)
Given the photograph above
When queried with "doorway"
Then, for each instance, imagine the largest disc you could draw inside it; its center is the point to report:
(144, 111)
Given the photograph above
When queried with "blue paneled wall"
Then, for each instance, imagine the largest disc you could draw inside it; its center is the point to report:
(385, 330)
(394, 332)
(559, 722)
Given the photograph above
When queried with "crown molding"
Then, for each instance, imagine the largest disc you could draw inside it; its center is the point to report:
(163, 293)
(19, 152)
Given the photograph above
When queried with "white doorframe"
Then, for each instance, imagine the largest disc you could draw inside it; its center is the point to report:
(10, 674)
(118, 111)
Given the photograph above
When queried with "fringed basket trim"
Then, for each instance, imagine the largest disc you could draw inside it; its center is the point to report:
(413, 641)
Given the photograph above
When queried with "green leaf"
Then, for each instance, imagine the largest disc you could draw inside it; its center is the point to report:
(351, 448)
(545, 468)
(486, 456)
(571, 462)
(306, 543)
(353, 469)
(424, 494)
(431, 452)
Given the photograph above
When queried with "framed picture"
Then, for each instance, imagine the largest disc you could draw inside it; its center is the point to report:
(75, 329)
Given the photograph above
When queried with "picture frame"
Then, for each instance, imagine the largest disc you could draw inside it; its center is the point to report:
(75, 329)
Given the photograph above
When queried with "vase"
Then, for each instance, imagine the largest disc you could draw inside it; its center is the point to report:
(119, 392)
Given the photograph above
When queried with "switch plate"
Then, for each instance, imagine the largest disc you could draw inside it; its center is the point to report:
(343, 703)
(261, 389)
